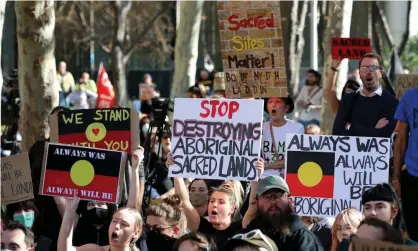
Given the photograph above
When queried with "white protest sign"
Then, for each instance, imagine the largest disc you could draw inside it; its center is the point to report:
(216, 138)
(16, 180)
(327, 174)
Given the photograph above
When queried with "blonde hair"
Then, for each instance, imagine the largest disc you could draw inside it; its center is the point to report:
(350, 216)
(231, 196)
(138, 225)
(238, 191)
(169, 209)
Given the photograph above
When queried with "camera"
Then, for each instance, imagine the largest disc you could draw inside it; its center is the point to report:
(160, 108)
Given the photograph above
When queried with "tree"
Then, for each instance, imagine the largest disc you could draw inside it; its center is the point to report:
(334, 29)
(297, 43)
(409, 57)
(186, 48)
(37, 74)
(134, 25)
(2, 10)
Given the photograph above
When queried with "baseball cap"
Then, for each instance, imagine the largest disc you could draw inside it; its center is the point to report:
(255, 237)
(272, 182)
(219, 82)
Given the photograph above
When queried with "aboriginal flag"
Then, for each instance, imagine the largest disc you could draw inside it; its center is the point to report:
(85, 169)
(96, 128)
(310, 174)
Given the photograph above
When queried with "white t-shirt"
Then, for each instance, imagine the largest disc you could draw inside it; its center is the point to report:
(315, 99)
(267, 151)
(80, 99)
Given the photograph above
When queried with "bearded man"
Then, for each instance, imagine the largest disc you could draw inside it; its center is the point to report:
(277, 220)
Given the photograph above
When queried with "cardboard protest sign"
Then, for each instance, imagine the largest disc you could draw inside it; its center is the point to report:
(216, 138)
(92, 173)
(16, 180)
(351, 48)
(366, 244)
(112, 129)
(405, 82)
(328, 174)
(252, 49)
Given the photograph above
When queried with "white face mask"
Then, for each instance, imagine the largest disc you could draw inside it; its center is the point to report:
(145, 128)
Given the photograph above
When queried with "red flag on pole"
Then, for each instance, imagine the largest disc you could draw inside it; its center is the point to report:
(105, 91)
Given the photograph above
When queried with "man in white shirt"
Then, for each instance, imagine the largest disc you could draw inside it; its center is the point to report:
(274, 134)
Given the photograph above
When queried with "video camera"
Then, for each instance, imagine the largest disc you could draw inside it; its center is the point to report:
(160, 108)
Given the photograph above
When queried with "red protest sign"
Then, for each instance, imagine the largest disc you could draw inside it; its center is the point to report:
(351, 48)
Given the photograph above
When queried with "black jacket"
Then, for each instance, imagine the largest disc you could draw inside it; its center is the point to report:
(301, 239)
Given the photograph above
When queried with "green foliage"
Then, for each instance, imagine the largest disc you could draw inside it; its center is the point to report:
(409, 56)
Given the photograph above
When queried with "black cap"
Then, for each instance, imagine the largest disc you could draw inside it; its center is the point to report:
(287, 100)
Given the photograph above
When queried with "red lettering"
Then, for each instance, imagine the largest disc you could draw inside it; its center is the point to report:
(250, 22)
(214, 104)
(207, 111)
(218, 108)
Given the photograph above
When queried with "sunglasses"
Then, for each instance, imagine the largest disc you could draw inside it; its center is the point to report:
(253, 235)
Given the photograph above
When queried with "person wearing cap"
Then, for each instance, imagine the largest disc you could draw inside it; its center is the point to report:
(274, 133)
(254, 240)
(219, 84)
(310, 100)
(276, 219)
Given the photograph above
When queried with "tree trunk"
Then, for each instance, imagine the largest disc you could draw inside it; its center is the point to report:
(334, 29)
(119, 61)
(296, 43)
(186, 50)
(2, 10)
(37, 73)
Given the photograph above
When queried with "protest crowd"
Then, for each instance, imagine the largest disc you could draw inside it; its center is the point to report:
(241, 165)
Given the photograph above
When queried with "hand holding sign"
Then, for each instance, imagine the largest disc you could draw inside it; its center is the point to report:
(137, 156)
(71, 205)
(169, 161)
(259, 165)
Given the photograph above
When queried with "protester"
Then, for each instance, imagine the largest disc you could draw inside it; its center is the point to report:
(66, 82)
(310, 100)
(330, 94)
(90, 84)
(199, 196)
(346, 224)
(93, 224)
(254, 240)
(274, 133)
(205, 80)
(369, 111)
(375, 229)
(82, 98)
(238, 191)
(321, 228)
(381, 202)
(15, 236)
(195, 92)
(405, 151)
(276, 219)
(221, 209)
(166, 222)
(194, 242)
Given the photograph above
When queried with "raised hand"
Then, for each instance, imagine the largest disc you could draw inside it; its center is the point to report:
(71, 205)
(259, 165)
(169, 161)
(137, 156)
(335, 63)
(381, 123)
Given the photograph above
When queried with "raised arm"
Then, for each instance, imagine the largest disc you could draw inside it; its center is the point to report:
(137, 174)
(193, 217)
(329, 90)
(65, 238)
(252, 205)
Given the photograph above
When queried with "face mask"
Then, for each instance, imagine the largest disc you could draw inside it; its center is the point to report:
(25, 218)
(198, 199)
(96, 216)
(145, 128)
(157, 241)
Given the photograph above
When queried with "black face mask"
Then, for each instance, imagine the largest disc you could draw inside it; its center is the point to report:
(96, 216)
(157, 241)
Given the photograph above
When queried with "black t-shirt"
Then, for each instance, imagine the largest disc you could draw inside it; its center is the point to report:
(86, 233)
(220, 236)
